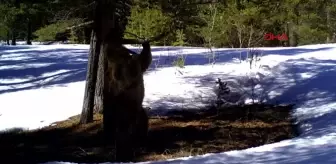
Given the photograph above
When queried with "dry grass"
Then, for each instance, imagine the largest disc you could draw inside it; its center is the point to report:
(181, 134)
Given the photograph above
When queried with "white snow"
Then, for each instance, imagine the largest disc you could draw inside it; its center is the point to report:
(41, 84)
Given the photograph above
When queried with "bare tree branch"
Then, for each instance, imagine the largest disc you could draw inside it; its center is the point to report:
(79, 25)
(67, 12)
(140, 41)
(134, 35)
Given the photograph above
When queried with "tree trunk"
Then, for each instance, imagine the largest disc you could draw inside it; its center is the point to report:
(294, 40)
(293, 36)
(100, 30)
(287, 33)
(91, 78)
(109, 28)
(8, 38)
(98, 105)
(29, 32)
(13, 37)
(329, 40)
(116, 121)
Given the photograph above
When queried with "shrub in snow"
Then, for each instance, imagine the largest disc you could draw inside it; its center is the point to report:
(227, 96)
(254, 56)
(179, 62)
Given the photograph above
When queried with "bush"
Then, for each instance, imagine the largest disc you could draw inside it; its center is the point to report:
(56, 31)
(306, 33)
(146, 23)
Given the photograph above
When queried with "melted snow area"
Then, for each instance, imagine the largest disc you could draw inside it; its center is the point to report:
(41, 84)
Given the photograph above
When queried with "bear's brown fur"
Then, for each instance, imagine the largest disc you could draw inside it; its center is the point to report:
(126, 91)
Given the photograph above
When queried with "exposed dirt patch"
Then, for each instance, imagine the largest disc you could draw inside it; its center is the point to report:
(181, 134)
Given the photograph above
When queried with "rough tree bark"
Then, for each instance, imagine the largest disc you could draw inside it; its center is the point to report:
(98, 102)
(108, 29)
(91, 76)
(103, 23)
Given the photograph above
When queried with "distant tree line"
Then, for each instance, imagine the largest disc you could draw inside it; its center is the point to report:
(230, 23)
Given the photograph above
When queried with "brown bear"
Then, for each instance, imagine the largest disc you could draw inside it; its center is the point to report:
(126, 92)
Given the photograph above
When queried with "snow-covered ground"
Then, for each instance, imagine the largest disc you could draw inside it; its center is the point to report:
(41, 84)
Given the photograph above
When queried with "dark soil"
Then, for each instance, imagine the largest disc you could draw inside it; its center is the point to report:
(181, 134)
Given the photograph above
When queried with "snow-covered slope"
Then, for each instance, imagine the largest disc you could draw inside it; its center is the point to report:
(41, 84)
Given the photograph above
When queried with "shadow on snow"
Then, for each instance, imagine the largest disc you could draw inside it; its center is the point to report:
(309, 80)
(308, 83)
(73, 63)
(291, 85)
(41, 68)
(221, 55)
